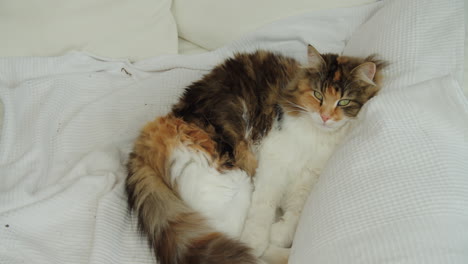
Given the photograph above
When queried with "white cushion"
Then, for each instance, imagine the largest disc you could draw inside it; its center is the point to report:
(396, 191)
(213, 23)
(465, 79)
(132, 29)
(421, 39)
(188, 48)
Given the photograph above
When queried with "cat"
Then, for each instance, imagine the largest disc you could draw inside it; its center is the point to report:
(319, 105)
(190, 172)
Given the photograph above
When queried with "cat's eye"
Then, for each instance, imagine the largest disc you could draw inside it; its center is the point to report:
(343, 102)
(318, 95)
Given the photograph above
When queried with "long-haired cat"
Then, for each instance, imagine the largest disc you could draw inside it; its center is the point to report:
(260, 115)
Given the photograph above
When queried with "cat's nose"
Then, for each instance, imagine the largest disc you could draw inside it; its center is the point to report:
(324, 117)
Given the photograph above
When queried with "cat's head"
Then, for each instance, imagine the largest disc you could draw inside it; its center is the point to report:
(331, 89)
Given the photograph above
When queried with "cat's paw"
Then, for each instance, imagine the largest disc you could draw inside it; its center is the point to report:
(276, 255)
(257, 244)
(257, 239)
(281, 235)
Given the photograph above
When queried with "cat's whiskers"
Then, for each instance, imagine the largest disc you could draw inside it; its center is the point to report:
(296, 105)
(295, 111)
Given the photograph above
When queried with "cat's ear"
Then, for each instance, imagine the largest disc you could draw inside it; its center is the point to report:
(315, 60)
(365, 72)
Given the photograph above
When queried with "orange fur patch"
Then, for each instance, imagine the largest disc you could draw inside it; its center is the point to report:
(206, 238)
(332, 91)
(303, 86)
(303, 96)
(166, 133)
(342, 60)
(329, 104)
(337, 76)
(245, 159)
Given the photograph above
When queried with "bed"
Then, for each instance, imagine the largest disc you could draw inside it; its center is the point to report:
(396, 191)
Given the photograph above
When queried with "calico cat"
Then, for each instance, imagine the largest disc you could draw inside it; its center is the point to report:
(260, 115)
(318, 105)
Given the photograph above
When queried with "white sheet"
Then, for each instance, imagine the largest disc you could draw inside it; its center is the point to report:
(70, 121)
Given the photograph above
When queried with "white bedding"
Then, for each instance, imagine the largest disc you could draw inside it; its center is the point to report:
(397, 191)
(70, 122)
(134, 29)
(188, 48)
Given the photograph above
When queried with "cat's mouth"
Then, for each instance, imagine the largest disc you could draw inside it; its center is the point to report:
(329, 125)
(334, 125)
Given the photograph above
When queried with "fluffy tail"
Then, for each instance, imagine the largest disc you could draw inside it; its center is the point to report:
(178, 234)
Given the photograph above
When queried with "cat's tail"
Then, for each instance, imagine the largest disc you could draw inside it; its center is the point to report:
(177, 233)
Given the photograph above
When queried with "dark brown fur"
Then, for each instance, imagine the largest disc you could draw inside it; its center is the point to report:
(249, 91)
(216, 103)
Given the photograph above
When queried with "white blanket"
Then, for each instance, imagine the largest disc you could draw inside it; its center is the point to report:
(70, 121)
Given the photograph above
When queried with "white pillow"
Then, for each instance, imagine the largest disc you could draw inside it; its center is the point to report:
(422, 39)
(465, 79)
(213, 23)
(397, 190)
(133, 29)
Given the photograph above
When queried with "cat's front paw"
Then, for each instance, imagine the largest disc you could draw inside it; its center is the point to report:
(281, 235)
(257, 239)
(274, 254)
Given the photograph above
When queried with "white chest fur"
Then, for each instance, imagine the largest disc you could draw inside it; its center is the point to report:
(297, 146)
(290, 161)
